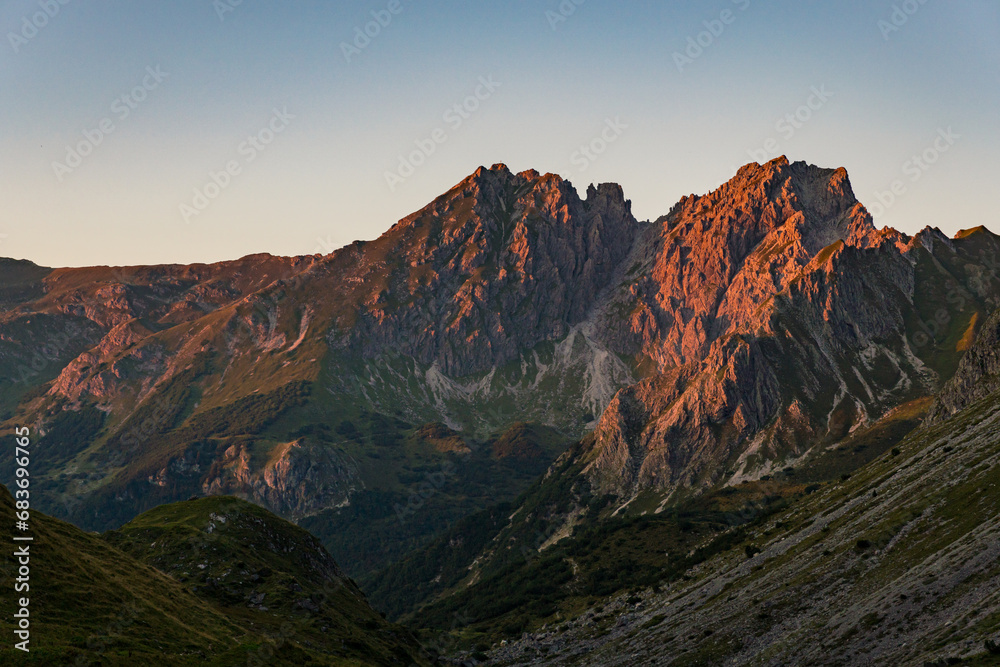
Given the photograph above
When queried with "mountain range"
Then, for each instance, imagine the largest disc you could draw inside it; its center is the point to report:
(519, 403)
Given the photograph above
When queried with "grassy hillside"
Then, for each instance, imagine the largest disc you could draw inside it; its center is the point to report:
(91, 601)
(215, 581)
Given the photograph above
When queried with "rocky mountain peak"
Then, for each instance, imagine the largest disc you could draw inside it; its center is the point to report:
(753, 300)
(715, 263)
(497, 264)
(930, 237)
(817, 204)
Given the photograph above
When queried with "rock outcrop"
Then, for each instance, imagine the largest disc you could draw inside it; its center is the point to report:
(300, 478)
(977, 377)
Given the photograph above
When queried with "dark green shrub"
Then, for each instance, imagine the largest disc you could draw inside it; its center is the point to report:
(653, 622)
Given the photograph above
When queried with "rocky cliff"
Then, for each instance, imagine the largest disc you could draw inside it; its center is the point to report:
(896, 564)
(779, 320)
(498, 264)
(977, 377)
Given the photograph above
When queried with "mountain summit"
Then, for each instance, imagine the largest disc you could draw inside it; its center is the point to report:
(779, 319)
(493, 267)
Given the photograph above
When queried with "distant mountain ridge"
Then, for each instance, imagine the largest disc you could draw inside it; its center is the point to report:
(731, 337)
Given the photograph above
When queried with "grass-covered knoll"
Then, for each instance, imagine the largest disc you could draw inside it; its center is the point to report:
(265, 573)
(89, 600)
(215, 581)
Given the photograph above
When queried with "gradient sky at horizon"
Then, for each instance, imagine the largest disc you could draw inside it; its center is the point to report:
(321, 183)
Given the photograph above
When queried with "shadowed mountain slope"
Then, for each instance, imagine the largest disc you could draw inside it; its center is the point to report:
(214, 581)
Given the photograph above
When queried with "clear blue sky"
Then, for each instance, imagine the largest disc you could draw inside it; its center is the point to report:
(321, 182)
